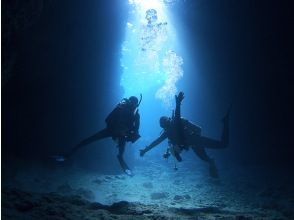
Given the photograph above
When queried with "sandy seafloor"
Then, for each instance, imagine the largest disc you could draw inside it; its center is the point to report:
(156, 191)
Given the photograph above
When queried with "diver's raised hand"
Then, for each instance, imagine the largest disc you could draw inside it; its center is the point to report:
(179, 98)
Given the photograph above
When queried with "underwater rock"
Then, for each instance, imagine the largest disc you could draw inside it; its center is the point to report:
(18, 204)
(97, 181)
(107, 178)
(148, 185)
(135, 209)
(183, 197)
(177, 197)
(199, 186)
(242, 217)
(159, 195)
(191, 212)
(95, 206)
(187, 197)
(77, 200)
(87, 194)
(120, 177)
(24, 206)
(21, 201)
(64, 189)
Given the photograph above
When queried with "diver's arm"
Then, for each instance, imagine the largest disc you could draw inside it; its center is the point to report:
(137, 121)
(179, 99)
(161, 138)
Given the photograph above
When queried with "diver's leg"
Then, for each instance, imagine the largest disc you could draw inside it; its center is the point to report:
(209, 143)
(212, 143)
(205, 142)
(99, 135)
(201, 153)
(121, 149)
(175, 151)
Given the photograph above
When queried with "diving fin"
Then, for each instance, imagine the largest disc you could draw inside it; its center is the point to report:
(124, 166)
(128, 172)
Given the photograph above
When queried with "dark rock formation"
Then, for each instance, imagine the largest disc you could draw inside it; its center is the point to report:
(67, 190)
(23, 205)
(17, 16)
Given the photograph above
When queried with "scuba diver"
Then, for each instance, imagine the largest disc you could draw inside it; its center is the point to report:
(182, 134)
(122, 125)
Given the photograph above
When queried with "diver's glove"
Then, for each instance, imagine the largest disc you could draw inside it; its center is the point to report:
(142, 152)
(166, 155)
(179, 98)
(133, 136)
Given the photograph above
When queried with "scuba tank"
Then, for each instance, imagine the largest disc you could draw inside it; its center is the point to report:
(117, 114)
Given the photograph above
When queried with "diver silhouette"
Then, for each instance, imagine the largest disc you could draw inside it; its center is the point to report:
(182, 134)
(122, 125)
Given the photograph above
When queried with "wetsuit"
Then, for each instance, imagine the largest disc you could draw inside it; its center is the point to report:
(122, 125)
